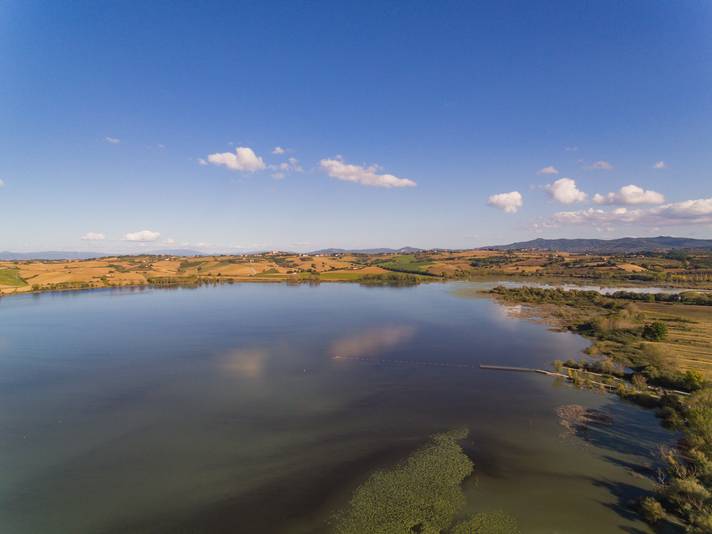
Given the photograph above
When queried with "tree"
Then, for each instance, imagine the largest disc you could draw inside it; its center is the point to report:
(655, 331)
(639, 382)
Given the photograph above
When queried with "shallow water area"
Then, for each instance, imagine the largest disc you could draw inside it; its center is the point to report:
(260, 407)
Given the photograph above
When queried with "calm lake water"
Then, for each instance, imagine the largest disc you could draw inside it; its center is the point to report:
(241, 409)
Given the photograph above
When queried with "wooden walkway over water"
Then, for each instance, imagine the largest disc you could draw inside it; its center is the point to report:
(655, 391)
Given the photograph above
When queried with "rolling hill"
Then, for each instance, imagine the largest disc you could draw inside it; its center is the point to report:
(622, 245)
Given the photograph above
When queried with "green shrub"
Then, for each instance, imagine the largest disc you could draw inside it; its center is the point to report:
(655, 331)
(652, 510)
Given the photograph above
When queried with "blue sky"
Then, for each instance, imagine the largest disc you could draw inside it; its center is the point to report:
(128, 126)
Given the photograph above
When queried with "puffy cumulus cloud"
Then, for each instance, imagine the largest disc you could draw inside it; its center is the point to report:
(143, 236)
(93, 236)
(278, 150)
(112, 140)
(508, 202)
(368, 176)
(243, 159)
(564, 190)
(630, 195)
(697, 211)
(601, 165)
(660, 165)
(596, 215)
(548, 170)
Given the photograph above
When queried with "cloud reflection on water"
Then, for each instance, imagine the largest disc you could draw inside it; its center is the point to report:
(245, 362)
(371, 341)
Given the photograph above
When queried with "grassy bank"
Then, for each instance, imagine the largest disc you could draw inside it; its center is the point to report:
(636, 345)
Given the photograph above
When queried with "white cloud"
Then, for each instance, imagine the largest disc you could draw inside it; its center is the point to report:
(243, 159)
(548, 170)
(112, 140)
(142, 236)
(279, 150)
(630, 195)
(600, 166)
(2, 184)
(292, 164)
(571, 148)
(660, 165)
(564, 190)
(697, 211)
(508, 202)
(93, 236)
(281, 169)
(169, 241)
(339, 169)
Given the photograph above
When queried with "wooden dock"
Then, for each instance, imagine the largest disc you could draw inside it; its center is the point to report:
(653, 390)
(568, 376)
(521, 370)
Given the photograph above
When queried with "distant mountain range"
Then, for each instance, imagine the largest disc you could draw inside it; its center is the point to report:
(75, 255)
(599, 246)
(622, 245)
(403, 250)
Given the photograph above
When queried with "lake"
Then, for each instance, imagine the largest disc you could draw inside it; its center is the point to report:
(260, 407)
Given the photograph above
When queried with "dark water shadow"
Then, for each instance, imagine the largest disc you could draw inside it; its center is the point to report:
(626, 506)
(274, 507)
(629, 432)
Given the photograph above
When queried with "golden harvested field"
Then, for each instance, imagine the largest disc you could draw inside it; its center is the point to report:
(690, 333)
(631, 267)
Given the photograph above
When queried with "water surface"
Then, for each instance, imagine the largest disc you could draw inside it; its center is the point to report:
(259, 408)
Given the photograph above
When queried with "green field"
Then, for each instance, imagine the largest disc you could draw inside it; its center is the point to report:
(406, 263)
(11, 277)
(341, 276)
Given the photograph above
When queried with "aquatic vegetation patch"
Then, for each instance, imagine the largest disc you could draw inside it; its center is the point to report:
(488, 523)
(422, 494)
